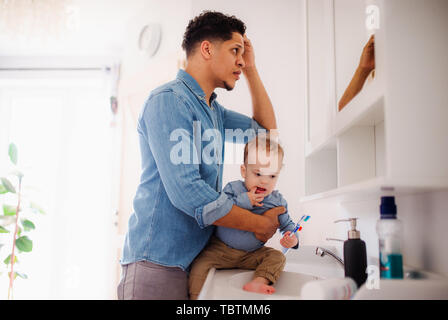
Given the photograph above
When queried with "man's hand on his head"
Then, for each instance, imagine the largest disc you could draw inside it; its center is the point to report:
(248, 55)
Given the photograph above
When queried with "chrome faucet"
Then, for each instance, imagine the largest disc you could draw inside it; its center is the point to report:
(322, 252)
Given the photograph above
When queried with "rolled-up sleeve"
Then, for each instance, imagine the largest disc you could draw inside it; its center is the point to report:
(214, 210)
(241, 199)
(165, 115)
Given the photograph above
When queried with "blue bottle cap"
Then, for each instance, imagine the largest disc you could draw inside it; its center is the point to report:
(388, 209)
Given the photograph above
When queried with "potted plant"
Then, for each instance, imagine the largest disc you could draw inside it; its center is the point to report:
(15, 223)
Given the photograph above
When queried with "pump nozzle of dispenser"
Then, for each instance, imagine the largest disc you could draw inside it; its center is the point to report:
(353, 233)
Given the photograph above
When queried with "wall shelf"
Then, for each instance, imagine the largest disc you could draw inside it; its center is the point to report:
(375, 188)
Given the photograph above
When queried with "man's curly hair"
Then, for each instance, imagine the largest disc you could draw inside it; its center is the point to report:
(210, 25)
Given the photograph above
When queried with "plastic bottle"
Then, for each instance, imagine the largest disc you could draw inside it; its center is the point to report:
(389, 230)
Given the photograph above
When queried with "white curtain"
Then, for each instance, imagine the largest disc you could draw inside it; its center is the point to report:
(67, 146)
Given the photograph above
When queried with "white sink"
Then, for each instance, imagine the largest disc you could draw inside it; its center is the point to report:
(302, 265)
(288, 285)
(228, 284)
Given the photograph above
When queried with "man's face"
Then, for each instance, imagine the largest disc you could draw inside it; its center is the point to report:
(228, 61)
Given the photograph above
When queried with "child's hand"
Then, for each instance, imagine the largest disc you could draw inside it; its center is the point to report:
(287, 241)
(255, 198)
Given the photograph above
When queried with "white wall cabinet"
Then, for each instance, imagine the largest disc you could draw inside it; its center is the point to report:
(392, 138)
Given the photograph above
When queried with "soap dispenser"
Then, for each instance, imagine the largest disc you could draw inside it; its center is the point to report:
(355, 255)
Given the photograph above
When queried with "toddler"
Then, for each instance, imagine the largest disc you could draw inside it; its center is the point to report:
(233, 248)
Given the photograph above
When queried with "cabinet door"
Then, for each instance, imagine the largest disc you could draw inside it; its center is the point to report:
(320, 73)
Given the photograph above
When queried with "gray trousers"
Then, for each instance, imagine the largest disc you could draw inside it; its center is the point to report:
(144, 280)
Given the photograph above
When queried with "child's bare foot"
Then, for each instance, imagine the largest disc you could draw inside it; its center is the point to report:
(259, 285)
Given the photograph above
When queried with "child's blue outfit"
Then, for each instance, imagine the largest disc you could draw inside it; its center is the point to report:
(246, 240)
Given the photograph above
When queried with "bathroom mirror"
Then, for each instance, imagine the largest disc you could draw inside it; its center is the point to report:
(355, 22)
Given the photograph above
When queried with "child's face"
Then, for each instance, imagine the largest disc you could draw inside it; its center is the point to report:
(262, 175)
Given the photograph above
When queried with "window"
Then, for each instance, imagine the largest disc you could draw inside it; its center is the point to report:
(66, 146)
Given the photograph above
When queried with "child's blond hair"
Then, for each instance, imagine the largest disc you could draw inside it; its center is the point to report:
(262, 143)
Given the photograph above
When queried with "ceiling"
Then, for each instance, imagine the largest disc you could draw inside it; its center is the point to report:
(101, 31)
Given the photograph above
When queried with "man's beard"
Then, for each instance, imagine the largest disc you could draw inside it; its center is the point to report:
(228, 88)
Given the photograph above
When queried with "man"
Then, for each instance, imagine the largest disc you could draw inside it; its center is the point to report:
(178, 202)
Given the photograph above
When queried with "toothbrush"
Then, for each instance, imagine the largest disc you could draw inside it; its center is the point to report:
(297, 228)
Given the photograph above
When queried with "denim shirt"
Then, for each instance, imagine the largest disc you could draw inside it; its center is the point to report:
(245, 240)
(182, 151)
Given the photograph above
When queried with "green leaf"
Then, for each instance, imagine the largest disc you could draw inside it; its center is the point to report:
(9, 210)
(3, 230)
(7, 261)
(13, 153)
(8, 185)
(28, 225)
(24, 244)
(2, 189)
